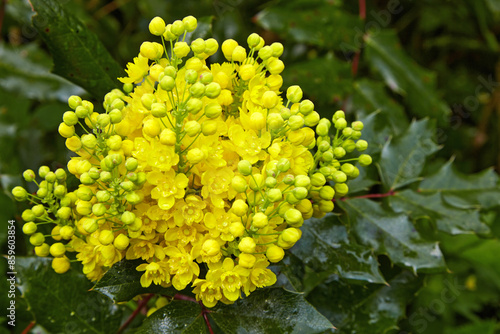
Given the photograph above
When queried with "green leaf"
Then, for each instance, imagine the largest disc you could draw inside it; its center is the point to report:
(121, 282)
(447, 218)
(78, 54)
(404, 76)
(464, 191)
(61, 303)
(403, 158)
(393, 234)
(483, 327)
(370, 96)
(324, 79)
(176, 317)
(23, 73)
(359, 309)
(298, 20)
(272, 310)
(325, 246)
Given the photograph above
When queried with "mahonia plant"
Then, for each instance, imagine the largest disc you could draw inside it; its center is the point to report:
(193, 165)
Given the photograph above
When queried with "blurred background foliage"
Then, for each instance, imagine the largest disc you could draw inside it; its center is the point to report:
(404, 59)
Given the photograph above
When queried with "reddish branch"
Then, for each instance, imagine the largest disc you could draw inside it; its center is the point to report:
(29, 327)
(387, 194)
(204, 310)
(140, 306)
(362, 16)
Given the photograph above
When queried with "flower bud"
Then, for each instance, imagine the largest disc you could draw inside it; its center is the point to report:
(257, 120)
(247, 245)
(209, 127)
(194, 105)
(178, 27)
(341, 189)
(211, 46)
(151, 50)
(277, 48)
(326, 206)
(29, 228)
(283, 165)
(236, 229)
(239, 207)
(64, 213)
(167, 83)
(84, 208)
(239, 184)
(127, 217)
(168, 137)
(312, 119)
(157, 26)
(253, 40)
(271, 182)
(121, 242)
(159, 110)
(340, 124)
(42, 250)
(61, 265)
(269, 99)
(67, 232)
(228, 47)
(294, 94)
(195, 155)
(212, 90)
(239, 54)
(20, 194)
(275, 121)
(365, 160)
(265, 53)
(57, 249)
(274, 195)
(198, 46)
(293, 217)
(275, 66)
(90, 225)
(74, 101)
(318, 180)
(190, 23)
(357, 125)
(326, 193)
(291, 235)
(361, 145)
(245, 167)
(322, 129)
(106, 237)
(37, 239)
(275, 253)
(151, 128)
(260, 220)
(339, 152)
(300, 193)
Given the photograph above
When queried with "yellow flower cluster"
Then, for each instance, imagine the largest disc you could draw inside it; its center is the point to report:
(201, 170)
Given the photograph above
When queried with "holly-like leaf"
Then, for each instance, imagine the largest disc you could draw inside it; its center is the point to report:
(370, 96)
(324, 79)
(447, 218)
(299, 21)
(121, 283)
(79, 55)
(393, 234)
(326, 246)
(359, 309)
(272, 310)
(403, 158)
(61, 303)
(176, 317)
(404, 76)
(464, 191)
(20, 73)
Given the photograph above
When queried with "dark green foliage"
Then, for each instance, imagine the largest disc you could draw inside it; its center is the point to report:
(418, 254)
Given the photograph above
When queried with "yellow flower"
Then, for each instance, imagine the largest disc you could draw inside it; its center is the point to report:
(207, 291)
(189, 210)
(248, 144)
(136, 71)
(169, 186)
(182, 266)
(155, 272)
(217, 185)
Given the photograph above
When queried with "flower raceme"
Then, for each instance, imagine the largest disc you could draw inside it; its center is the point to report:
(204, 171)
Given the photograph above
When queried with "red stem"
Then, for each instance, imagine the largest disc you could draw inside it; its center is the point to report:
(179, 296)
(140, 306)
(29, 327)
(387, 194)
(362, 16)
(2, 14)
(204, 310)
(362, 9)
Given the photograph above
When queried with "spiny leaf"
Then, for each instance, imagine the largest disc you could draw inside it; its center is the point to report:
(447, 218)
(78, 54)
(370, 96)
(177, 317)
(72, 306)
(326, 246)
(272, 311)
(464, 191)
(403, 158)
(404, 76)
(365, 310)
(121, 283)
(393, 234)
